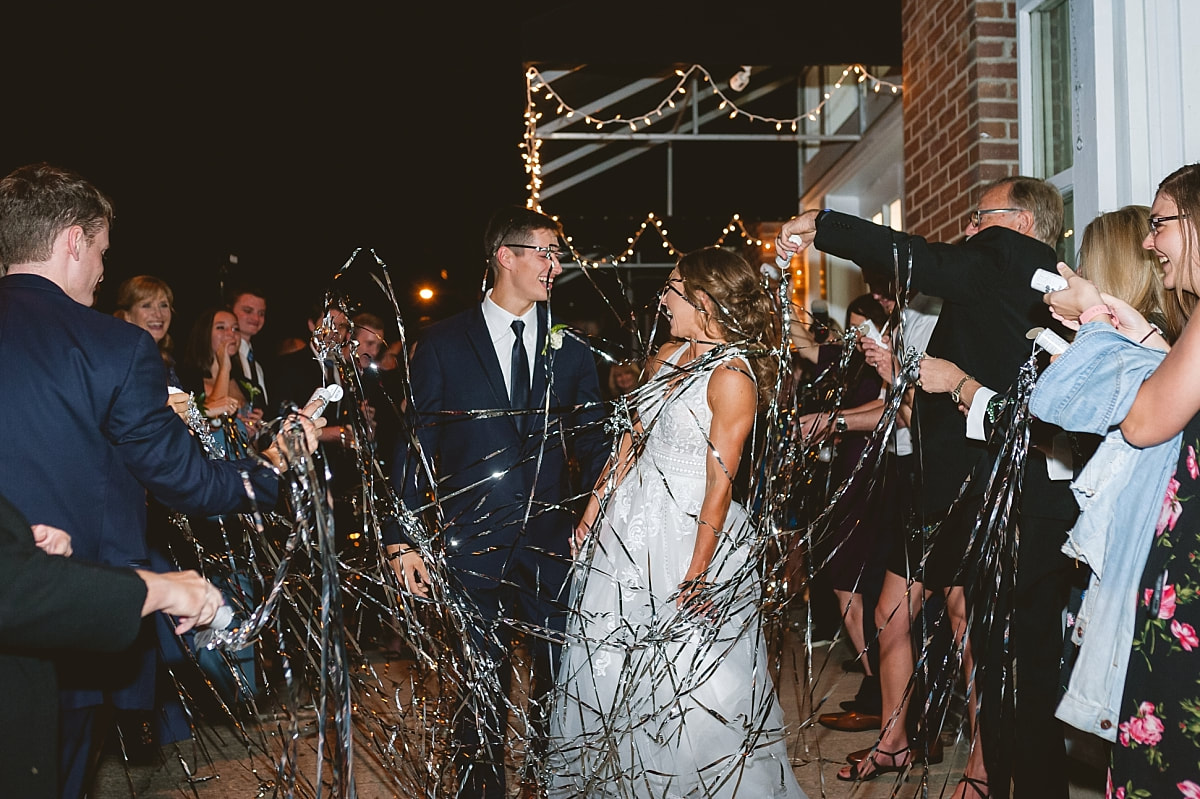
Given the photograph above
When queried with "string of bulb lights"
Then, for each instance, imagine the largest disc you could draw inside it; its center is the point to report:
(735, 224)
(536, 84)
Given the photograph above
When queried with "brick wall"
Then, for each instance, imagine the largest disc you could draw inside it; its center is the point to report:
(960, 108)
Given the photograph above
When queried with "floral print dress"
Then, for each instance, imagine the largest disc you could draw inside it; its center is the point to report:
(1157, 752)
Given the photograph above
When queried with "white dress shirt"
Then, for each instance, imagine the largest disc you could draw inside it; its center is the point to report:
(920, 317)
(255, 374)
(499, 324)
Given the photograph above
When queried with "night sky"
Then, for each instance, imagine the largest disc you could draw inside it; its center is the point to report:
(291, 138)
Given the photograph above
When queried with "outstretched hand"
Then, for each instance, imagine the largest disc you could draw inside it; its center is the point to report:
(1067, 304)
(277, 453)
(804, 227)
(185, 595)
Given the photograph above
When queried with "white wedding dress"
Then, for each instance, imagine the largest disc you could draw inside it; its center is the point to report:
(653, 701)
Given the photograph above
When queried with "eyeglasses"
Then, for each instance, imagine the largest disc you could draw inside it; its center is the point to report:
(976, 216)
(670, 286)
(1157, 222)
(671, 281)
(549, 253)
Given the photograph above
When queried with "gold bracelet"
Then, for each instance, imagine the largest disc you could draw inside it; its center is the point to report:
(955, 395)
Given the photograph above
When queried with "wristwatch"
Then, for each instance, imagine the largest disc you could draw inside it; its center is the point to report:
(839, 424)
(955, 395)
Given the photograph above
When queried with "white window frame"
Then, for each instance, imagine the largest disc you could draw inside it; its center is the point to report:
(1135, 119)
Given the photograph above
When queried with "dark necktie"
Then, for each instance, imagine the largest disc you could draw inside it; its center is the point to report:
(519, 393)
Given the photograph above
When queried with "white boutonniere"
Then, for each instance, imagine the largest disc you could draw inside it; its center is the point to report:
(554, 339)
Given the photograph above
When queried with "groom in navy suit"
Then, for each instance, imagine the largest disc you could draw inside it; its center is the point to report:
(501, 480)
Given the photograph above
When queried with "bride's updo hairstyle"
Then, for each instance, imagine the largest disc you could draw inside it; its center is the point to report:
(739, 305)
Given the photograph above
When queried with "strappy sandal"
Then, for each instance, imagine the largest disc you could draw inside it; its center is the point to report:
(975, 784)
(859, 773)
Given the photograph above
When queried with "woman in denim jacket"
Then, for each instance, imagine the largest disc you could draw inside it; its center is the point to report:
(1088, 389)
(1158, 722)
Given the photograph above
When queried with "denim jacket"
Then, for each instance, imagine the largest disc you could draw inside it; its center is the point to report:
(1089, 389)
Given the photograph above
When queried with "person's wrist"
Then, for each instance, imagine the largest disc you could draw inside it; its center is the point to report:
(1153, 329)
(966, 395)
(956, 393)
(1100, 309)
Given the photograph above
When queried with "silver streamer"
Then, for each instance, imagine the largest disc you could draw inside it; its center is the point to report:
(300, 666)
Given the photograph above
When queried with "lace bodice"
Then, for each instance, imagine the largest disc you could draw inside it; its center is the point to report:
(677, 439)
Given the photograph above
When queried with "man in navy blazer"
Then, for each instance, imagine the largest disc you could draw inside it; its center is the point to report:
(503, 399)
(89, 430)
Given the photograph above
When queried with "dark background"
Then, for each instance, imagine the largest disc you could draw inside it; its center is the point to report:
(291, 136)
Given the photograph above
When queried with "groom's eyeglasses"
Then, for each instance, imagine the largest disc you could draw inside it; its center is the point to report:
(549, 253)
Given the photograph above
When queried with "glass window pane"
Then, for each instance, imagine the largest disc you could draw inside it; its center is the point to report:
(1051, 29)
(1067, 245)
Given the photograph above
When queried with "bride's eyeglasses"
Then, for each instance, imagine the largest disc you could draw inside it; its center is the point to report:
(670, 286)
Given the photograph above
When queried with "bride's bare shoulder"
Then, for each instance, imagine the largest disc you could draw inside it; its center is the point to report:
(655, 362)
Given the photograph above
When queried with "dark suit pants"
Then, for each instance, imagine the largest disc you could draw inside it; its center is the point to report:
(533, 601)
(1022, 737)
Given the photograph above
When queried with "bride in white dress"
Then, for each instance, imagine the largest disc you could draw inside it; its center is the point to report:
(663, 690)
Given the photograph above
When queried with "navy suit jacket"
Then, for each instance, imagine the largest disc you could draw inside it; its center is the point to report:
(487, 466)
(88, 432)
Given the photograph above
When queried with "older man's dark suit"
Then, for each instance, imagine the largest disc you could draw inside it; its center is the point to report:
(491, 469)
(988, 307)
(89, 433)
(49, 603)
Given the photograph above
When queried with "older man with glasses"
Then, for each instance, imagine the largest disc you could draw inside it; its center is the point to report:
(988, 308)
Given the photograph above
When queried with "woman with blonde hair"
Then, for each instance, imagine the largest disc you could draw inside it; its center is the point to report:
(1111, 256)
(623, 378)
(149, 303)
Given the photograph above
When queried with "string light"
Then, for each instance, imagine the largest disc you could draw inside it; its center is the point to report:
(735, 224)
(536, 83)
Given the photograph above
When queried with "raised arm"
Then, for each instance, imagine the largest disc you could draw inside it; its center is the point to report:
(1170, 397)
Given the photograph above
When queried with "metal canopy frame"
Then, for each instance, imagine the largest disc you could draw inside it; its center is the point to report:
(691, 115)
(585, 152)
